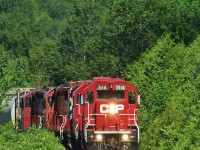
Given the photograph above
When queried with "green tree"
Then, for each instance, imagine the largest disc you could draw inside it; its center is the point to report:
(81, 42)
(28, 30)
(14, 73)
(124, 29)
(168, 79)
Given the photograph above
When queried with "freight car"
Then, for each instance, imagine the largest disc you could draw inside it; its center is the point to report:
(95, 114)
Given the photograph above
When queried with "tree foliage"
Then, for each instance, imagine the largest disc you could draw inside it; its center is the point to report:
(30, 139)
(152, 43)
(168, 77)
(68, 37)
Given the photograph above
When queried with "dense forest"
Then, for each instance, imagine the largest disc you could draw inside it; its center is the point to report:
(154, 44)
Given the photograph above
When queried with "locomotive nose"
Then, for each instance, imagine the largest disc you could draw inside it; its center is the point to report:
(109, 114)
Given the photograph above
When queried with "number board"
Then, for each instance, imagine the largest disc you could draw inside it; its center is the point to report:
(101, 87)
(120, 87)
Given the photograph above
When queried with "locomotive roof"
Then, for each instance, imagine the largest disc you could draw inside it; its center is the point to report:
(106, 79)
(46, 90)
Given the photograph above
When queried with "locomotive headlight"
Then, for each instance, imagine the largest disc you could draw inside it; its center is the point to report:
(99, 137)
(125, 137)
(112, 108)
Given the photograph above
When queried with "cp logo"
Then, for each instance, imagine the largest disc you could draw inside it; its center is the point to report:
(112, 108)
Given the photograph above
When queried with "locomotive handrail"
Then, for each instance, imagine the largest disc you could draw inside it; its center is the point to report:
(87, 124)
(61, 115)
(127, 114)
(134, 118)
(40, 120)
(99, 115)
(105, 115)
(55, 115)
(62, 126)
(40, 124)
(88, 112)
(138, 129)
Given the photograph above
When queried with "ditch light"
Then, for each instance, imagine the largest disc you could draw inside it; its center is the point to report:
(125, 137)
(99, 137)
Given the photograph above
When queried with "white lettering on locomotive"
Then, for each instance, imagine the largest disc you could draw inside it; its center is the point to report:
(120, 87)
(112, 108)
(101, 87)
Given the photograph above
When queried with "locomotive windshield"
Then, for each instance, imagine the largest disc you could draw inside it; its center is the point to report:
(110, 94)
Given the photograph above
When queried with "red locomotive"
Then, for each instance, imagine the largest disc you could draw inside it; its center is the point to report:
(109, 114)
(97, 114)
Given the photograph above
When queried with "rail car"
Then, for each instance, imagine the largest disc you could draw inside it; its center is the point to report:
(101, 113)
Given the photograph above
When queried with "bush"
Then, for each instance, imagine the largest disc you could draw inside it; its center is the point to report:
(30, 139)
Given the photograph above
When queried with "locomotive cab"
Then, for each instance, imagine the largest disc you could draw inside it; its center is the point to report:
(42, 109)
(78, 96)
(61, 112)
(23, 109)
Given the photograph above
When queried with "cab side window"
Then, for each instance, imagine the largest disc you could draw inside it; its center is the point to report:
(21, 102)
(66, 95)
(28, 102)
(90, 97)
(131, 97)
(50, 101)
(79, 99)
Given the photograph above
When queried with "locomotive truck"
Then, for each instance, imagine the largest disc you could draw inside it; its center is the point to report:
(97, 114)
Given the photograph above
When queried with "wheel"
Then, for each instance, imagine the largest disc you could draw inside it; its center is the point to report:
(129, 146)
(100, 146)
(134, 146)
(89, 147)
(76, 131)
(66, 143)
(74, 142)
(123, 147)
(94, 147)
